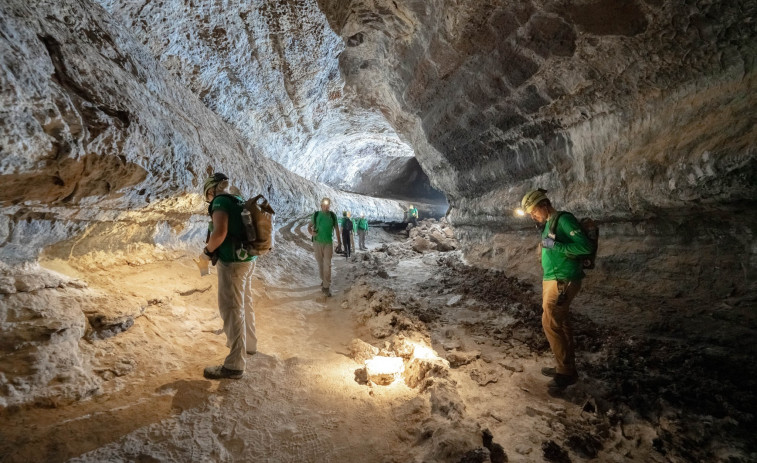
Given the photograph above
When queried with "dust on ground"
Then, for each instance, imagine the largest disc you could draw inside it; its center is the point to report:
(669, 392)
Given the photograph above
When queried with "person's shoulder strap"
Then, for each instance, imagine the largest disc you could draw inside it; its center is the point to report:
(553, 223)
(333, 216)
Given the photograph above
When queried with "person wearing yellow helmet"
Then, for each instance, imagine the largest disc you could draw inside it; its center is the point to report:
(234, 277)
(321, 227)
(561, 281)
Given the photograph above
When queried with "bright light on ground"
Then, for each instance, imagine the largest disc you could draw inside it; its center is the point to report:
(384, 370)
(423, 352)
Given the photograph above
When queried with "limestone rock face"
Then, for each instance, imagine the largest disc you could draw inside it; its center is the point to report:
(637, 113)
(95, 135)
(624, 107)
(42, 323)
(271, 70)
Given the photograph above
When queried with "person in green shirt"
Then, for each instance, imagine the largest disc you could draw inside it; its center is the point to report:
(234, 277)
(362, 229)
(412, 215)
(561, 283)
(321, 227)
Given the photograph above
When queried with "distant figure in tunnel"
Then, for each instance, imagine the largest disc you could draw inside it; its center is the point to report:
(362, 229)
(561, 282)
(321, 227)
(412, 215)
(234, 277)
(347, 227)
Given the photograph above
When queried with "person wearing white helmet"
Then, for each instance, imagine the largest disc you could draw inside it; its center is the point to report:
(321, 227)
(561, 281)
(234, 277)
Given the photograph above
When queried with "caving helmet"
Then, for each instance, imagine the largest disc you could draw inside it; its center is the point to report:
(532, 199)
(325, 202)
(212, 182)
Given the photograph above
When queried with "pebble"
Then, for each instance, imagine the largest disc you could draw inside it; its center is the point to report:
(523, 449)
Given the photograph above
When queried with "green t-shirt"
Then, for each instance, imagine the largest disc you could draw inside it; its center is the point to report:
(227, 252)
(559, 263)
(362, 224)
(324, 226)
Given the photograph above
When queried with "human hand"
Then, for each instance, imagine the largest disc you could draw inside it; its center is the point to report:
(548, 243)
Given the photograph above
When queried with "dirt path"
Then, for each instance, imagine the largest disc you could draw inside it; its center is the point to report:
(298, 401)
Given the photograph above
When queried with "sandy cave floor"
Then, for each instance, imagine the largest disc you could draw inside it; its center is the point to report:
(302, 401)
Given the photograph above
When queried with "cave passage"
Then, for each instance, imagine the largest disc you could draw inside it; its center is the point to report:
(636, 116)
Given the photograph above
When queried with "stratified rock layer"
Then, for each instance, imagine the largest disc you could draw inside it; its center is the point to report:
(271, 69)
(98, 141)
(638, 113)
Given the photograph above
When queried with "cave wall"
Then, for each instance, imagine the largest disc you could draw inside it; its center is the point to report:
(271, 70)
(97, 140)
(631, 112)
(637, 113)
(102, 158)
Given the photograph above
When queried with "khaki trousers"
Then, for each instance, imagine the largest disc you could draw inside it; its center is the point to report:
(556, 323)
(323, 253)
(235, 307)
(361, 239)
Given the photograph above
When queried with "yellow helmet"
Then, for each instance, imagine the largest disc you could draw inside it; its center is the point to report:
(532, 198)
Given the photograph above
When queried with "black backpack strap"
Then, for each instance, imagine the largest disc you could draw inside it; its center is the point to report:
(553, 224)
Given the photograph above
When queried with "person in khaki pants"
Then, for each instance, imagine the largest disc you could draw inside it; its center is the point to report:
(321, 227)
(234, 277)
(362, 229)
(561, 283)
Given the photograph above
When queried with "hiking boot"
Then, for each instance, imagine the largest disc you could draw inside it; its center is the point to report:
(252, 352)
(560, 381)
(326, 291)
(221, 372)
(549, 371)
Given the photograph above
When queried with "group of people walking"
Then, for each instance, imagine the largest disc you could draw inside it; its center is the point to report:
(323, 226)
(562, 241)
(350, 227)
(235, 269)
